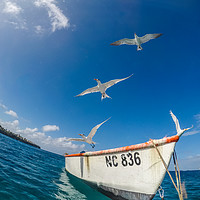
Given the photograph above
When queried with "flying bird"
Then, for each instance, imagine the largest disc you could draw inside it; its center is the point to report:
(88, 139)
(178, 129)
(137, 40)
(102, 87)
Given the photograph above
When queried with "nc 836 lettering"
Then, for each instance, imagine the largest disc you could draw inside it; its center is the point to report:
(125, 159)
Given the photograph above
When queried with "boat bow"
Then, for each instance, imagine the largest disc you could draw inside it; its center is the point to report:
(130, 172)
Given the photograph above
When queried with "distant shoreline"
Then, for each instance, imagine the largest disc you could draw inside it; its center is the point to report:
(17, 137)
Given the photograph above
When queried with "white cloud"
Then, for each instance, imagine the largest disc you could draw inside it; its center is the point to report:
(56, 145)
(12, 8)
(60, 146)
(47, 128)
(38, 135)
(12, 126)
(27, 130)
(32, 134)
(11, 113)
(58, 19)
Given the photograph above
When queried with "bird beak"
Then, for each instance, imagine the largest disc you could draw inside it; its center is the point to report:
(79, 134)
(95, 79)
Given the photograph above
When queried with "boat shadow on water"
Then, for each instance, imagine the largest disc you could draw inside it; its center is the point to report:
(72, 188)
(88, 190)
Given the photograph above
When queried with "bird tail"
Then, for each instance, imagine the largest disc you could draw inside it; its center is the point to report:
(178, 129)
(103, 96)
(139, 48)
(186, 129)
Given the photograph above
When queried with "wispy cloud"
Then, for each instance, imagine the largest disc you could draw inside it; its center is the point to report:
(8, 112)
(12, 8)
(58, 19)
(39, 29)
(197, 127)
(47, 128)
(190, 163)
(12, 14)
(198, 119)
(3, 106)
(191, 132)
(27, 15)
(11, 113)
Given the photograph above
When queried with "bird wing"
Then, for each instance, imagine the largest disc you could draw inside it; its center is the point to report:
(178, 129)
(90, 90)
(124, 41)
(94, 130)
(148, 37)
(75, 139)
(113, 82)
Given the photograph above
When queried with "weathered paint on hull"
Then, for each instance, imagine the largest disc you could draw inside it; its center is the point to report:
(134, 174)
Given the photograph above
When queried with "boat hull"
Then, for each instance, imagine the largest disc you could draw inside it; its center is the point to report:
(124, 173)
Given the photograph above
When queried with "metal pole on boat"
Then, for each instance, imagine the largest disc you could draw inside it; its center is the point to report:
(165, 165)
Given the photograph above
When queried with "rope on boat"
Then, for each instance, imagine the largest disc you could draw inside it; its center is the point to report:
(177, 180)
(178, 187)
(178, 177)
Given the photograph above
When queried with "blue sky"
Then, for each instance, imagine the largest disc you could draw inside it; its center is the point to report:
(52, 50)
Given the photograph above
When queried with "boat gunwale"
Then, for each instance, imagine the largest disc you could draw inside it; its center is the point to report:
(148, 144)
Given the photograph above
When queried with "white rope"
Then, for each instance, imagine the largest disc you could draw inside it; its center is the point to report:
(161, 192)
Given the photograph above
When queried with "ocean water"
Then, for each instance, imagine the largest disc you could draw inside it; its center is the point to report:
(27, 173)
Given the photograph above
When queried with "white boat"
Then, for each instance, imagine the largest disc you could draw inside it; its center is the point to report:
(131, 172)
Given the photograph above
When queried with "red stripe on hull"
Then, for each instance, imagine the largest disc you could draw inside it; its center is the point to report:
(164, 140)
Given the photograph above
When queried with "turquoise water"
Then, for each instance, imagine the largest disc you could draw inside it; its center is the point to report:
(29, 173)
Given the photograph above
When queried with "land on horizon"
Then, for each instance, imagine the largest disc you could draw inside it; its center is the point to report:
(17, 137)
